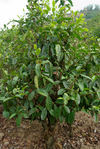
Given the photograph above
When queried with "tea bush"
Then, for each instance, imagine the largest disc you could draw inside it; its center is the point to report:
(50, 68)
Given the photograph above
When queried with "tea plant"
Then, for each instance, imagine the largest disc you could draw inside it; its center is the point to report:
(50, 68)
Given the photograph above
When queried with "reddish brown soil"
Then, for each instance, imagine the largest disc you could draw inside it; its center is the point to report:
(86, 134)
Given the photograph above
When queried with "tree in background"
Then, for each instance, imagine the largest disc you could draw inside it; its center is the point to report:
(92, 16)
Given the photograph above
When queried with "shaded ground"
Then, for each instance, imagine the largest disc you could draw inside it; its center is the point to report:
(86, 134)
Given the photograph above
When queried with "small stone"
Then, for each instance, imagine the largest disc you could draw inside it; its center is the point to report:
(0, 146)
(95, 130)
(6, 143)
(1, 136)
(65, 144)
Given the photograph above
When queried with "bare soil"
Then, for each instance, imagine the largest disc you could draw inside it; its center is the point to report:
(30, 135)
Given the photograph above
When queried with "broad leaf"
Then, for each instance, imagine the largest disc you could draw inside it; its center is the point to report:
(61, 91)
(66, 98)
(36, 82)
(6, 114)
(44, 114)
(81, 86)
(37, 70)
(67, 109)
(59, 53)
(42, 92)
(60, 100)
(70, 1)
(49, 103)
(31, 95)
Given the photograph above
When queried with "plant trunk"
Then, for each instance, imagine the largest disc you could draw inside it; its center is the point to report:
(70, 130)
(49, 135)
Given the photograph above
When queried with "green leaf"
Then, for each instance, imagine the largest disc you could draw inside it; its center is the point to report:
(96, 102)
(60, 100)
(57, 111)
(42, 92)
(38, 51)
(6, 114)
(15, 80)
(65, 84)
(2, 98)
(44, 114)
(67, 109)
(35, 46)
(53, 6)
(36, 81)
(49, 79)
(7, 99)
(53, 3)
(19, 119)
(31, 95)
(81, 86)
(78, 99)
(59, 53)
(48, 67)
(13, 115)
(49, 103)
(33, 110)
(19, 96)
(70, 1)
(49, 87)
(78, 68)
(70, 117)
(61, 91)
(52, 120)
(98, 93)
(66, 98)
(52, 113)
(37, 70)
(86, 77)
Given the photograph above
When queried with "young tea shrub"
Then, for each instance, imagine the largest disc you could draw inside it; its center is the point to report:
(50, 69)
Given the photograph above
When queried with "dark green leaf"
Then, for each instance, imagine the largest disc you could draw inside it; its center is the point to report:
(19, 119)
(31, 95)
(52, 113)
(33, 110)
(65, 84)
(70, 1)
(60, 101)
(44, 114)
(49, 103)
(6, 114)
(61, 91)
(57, 111)
(71, 117)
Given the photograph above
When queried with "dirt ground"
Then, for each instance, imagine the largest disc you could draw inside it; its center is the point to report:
(86, 134)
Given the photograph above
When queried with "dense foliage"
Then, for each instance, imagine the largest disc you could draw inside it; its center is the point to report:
(49, 67)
